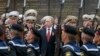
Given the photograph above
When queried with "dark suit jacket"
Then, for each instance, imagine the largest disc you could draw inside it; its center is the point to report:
(47, 48)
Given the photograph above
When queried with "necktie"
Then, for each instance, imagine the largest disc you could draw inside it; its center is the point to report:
(48, 35)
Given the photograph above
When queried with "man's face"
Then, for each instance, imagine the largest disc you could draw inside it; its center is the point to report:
(12, 33)
(84, 38)
(13, 19)
(29, 36)
(63, 36)
(87, 23)
(48, 23)
(96, 39)
(30, 23)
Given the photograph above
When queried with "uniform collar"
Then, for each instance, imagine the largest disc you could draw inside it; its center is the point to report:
(70, 43)
(34, 45)
(17, 37)
(88, 43)
(89, 46)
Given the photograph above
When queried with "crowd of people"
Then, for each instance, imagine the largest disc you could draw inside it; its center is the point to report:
(22, 35)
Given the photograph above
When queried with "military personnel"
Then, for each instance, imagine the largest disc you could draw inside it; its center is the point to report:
(85, 18)
(17, 42)
(12, 18)
(71, 20)
(70, 47)
(5, 50)
(29, 22)
(94, 21)
(88, 48)
(97, 38)
(33, 48)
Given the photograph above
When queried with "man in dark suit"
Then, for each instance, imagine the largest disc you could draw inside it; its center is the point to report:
(47, 42)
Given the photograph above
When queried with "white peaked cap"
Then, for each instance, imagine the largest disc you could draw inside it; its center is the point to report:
(85, 16)
(15, 13)
(92, 16)
(30, 11)
(29, 18)
(70, 17)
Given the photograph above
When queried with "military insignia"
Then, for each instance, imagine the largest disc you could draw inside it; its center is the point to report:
(9, 49)
(68, 54)
(82, 54)
(52, 33)
(29, 50)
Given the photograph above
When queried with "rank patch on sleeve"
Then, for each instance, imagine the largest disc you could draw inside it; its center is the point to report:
(68, 54)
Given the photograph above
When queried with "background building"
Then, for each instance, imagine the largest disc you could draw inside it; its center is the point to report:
(52, 7)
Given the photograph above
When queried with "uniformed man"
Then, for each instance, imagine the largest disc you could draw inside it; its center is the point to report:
(94, 20)
(5, 50)
(17, 42)
(12, 18)
(33, 48)
(97, 38)
(70, 47)
(88, 48)
(85, 18)
(71, 20)
(29, 22)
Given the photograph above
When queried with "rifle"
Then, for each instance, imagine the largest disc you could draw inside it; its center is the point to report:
(6, 10)
(4, 26)
(23, 10)
(58, 32)
(79, 14)
(96, 12)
